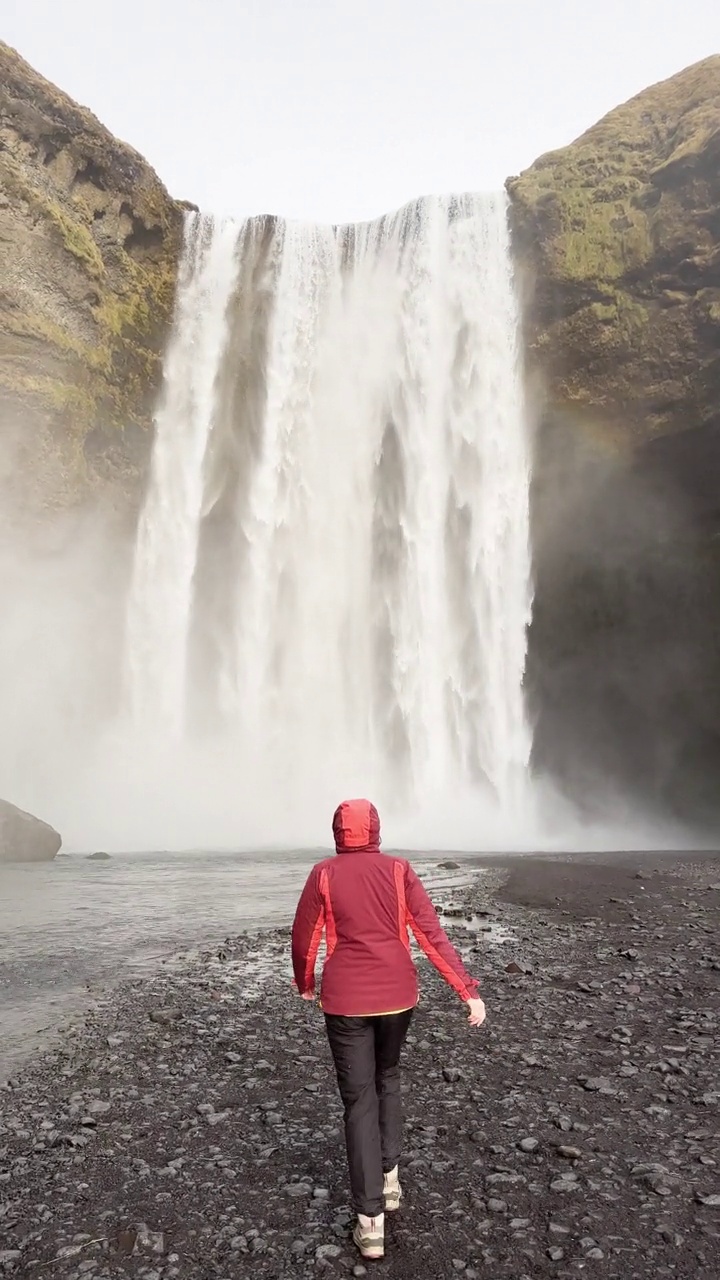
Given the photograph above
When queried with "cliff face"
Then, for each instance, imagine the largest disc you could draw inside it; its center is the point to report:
(618, 241)
(621, 235)
(89, 244)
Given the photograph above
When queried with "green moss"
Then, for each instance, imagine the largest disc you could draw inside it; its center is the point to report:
(73, 402)
(77, 240)
(605, 312)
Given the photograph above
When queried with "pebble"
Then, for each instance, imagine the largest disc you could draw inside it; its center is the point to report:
(187, 1114)
(328, 1251)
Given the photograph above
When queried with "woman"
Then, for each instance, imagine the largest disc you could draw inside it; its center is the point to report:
(365, 901)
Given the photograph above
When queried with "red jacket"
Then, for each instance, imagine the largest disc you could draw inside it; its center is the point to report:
(365, 901)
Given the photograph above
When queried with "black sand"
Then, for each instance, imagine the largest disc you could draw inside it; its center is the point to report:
(189, 1127)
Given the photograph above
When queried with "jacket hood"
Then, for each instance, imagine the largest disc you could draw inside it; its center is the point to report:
(356, 827)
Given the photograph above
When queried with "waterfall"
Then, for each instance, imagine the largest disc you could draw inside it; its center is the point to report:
(331, 586)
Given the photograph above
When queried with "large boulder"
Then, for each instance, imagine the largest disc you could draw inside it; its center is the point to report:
(90, 245)
(24, 838)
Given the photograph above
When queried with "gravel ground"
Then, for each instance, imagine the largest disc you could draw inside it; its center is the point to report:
(189, 1127)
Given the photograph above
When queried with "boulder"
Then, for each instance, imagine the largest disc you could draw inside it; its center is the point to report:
(24, 838)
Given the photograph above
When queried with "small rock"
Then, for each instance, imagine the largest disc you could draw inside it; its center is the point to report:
(597, 1084)
(328, 1251)
(497, 1206)
(452, 1075)
(528, 1144)
(712, 1201)
(555, 1253)
(569, 1153)
(566, 1182)
(165, 1017)
(151, 1240)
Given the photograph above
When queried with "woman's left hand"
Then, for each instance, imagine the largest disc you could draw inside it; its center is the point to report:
(476, 1016)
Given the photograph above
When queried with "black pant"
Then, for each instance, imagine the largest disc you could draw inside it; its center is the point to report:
(366, 1052)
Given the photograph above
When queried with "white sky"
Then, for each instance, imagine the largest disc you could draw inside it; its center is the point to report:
(331, 111)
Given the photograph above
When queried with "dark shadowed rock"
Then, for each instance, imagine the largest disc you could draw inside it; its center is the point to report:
(24, 838)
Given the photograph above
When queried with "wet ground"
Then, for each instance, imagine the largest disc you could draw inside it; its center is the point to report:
(189, 1127)
(70, 927)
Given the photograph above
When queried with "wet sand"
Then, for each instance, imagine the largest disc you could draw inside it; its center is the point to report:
(188, 1127)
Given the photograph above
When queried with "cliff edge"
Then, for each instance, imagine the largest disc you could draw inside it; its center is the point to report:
(90, 241)
(620, 234)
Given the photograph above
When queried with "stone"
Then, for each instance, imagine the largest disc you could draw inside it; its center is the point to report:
(24, 838)
(598, 1084)
(528, 1144)
(496, 1205)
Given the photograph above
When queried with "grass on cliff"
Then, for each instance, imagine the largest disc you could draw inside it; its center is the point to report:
(589, 203)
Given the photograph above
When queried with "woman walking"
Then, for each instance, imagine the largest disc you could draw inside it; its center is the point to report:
(365, 901)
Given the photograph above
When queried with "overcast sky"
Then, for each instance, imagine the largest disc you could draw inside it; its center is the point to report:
(332, 111)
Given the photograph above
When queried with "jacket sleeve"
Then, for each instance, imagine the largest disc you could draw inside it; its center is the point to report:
(423, 920)
(306, 933)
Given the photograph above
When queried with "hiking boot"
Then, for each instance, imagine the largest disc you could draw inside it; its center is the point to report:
(392, 1190)
(369, 1236)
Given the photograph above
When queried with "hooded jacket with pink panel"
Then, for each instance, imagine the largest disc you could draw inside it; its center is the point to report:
(365, 901)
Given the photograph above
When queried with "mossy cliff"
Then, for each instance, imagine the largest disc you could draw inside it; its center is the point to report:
(90, 241)
(617, 238)
(620, 237)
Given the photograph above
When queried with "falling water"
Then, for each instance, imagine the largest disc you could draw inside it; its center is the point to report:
(332, 574)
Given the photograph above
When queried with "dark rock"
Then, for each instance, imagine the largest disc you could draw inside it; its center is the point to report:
(24, 838)
(165, 1017)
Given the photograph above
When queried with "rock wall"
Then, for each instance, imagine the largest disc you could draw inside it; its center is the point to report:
(620, 234)
(89, 245)
(618, 241)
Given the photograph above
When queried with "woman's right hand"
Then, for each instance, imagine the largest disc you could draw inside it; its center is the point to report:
(476, 1016)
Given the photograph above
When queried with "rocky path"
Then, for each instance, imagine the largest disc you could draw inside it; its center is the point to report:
(189, 1128)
